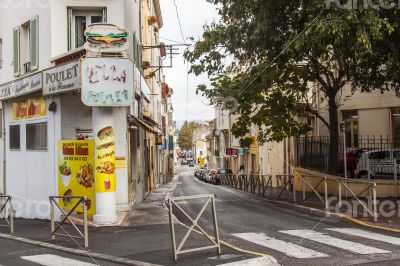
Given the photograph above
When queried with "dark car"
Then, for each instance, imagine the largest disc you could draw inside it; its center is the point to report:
(353, 157)
(221, 171)
(191, 164)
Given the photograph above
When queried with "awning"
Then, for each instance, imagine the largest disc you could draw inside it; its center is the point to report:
(136, 121)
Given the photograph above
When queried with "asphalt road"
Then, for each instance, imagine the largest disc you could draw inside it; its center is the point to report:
(291, 235)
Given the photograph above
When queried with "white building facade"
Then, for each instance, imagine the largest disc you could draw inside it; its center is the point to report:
(41, 37)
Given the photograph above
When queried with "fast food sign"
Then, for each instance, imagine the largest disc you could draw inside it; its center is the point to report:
(76, 173)
(105, 160)
(107, 81)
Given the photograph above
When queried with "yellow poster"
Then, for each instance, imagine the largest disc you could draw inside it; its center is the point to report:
(105, 160)
(76, 173)
(31, 107)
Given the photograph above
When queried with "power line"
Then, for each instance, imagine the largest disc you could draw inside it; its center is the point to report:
(179, 21)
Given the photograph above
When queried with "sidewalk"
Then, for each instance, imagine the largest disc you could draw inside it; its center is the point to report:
(144, 237)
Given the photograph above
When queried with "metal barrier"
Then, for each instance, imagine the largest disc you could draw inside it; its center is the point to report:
(266, 183)
(286, 183)
(81, 235)
(304, 183)
(6, 200)
(172, 202)
(370, 186)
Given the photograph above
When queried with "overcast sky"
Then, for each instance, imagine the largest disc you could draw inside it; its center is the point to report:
(193, 15)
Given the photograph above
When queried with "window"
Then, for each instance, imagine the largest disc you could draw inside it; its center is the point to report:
(78, 20)
(15, 143)
(351, 121)
(380, 155)
(36, 136)
(396, 126)
(26, 47)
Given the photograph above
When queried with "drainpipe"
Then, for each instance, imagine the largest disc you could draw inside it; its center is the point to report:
(4, 146)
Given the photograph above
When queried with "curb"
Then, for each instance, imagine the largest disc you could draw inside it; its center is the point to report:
(78, 251)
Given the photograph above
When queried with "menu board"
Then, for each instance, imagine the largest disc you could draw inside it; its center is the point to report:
(105, 160)
(76, 173)
(28, 108)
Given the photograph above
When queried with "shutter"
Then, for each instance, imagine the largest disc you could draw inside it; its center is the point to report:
(104, 14)
(69, 28)
(34, 43)
(16, 51)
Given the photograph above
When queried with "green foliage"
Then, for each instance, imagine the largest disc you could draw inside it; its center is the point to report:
(186, 134)
(276, 49)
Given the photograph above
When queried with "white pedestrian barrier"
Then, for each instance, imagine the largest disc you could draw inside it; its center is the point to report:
(173, 204)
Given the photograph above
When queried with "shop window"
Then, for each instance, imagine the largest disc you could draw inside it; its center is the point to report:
(78, 20)
(36, 136)
(15, 142)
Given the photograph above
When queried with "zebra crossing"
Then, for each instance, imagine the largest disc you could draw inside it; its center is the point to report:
(296, 249)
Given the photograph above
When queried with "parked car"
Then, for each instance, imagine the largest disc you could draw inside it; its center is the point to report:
(203, 174)
(191, 164)
(221, 171)
(353, 158)
(210, 176)
(381, 164)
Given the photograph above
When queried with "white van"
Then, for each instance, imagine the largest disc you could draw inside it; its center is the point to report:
(381, 164)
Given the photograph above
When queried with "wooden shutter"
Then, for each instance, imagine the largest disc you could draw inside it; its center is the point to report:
(34, 43)
(104, 14)
(16, 51)
(69, 28)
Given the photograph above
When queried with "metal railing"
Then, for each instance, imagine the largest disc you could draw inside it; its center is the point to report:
(322, 181)
(173, 203)
(370, 187)
(66, 216)
(8, 216)
(285, 183)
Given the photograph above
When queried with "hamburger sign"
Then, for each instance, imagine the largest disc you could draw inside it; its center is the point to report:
(106, 38)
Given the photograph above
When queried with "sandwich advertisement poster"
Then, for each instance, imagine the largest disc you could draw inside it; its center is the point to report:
(76, 173)
(105, 160)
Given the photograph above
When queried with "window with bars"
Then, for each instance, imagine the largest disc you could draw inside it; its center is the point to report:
(36, 136)
(15, 141)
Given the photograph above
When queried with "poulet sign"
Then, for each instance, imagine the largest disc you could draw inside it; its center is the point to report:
(61, 79)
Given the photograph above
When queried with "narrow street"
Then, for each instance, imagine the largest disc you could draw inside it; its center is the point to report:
(283, 232)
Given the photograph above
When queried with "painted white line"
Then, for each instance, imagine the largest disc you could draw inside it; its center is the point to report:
(367, 234)
(53, 260)
(287, 248)
(335, 242)
(262, 261)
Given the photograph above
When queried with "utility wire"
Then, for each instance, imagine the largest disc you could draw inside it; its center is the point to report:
(179, 21)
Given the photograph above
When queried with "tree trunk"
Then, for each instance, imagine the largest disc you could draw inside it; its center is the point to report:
(333, 135)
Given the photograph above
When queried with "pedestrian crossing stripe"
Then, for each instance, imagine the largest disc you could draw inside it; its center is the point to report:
(264, 261)
(335, 242)
(287, 248)
(368, 235)
(54, 260)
